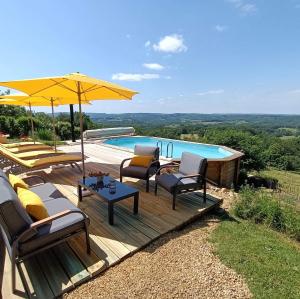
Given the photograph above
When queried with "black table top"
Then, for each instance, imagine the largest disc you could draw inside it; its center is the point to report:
(102, 189)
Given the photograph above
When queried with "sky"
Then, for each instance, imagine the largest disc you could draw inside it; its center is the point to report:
(208, 56)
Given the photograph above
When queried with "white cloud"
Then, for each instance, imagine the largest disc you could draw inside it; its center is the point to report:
(153, 66)
(147, 44)
(134, 77)
(220, 28)
(244, 7)
(210, 92)
(171, 44)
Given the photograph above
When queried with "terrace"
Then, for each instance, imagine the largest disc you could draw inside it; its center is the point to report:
(58, 270)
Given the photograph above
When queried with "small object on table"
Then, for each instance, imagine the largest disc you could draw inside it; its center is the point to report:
(121, 191)
(112, 186)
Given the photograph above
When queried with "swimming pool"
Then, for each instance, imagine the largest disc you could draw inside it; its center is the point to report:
(204, 150)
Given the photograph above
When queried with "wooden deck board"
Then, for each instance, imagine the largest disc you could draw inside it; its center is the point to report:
(58, 270)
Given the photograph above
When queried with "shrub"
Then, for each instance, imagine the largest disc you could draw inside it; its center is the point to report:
(24, 123)
(4, 125)
(64, 130)
(45, 134)
(271, 209)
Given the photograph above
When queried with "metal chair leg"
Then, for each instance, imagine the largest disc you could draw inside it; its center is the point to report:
(174, 199)
(155, 189)
(147, 185)
(87, 239)
(13, 275)
(204, 192)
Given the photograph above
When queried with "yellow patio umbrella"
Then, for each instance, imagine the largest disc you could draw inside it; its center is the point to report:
(25, 100)
(72, 86)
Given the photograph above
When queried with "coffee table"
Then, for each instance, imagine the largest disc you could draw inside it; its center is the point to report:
(101, 190)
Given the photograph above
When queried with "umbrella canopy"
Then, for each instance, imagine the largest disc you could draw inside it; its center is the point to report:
(26, 100)
(73, 86)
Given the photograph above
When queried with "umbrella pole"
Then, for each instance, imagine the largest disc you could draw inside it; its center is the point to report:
(72, 122)
(81, 129)
(53, 124)
(32, 126)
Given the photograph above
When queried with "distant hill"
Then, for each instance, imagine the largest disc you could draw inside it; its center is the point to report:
(156, 119)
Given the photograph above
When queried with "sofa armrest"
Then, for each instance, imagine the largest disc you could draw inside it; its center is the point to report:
(168, 165)
(34, 226)
(49, 219)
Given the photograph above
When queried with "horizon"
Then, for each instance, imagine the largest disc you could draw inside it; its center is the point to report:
(213, 57)
(266, 114)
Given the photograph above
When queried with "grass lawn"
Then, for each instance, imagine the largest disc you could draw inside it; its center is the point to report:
(269, 261)
(289, 181)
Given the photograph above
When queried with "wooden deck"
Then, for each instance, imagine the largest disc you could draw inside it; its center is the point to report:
(58, 270)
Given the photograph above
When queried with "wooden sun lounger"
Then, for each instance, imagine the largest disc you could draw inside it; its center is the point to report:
(28, 148)
(20, 165)
(38, 154)
(18, 144)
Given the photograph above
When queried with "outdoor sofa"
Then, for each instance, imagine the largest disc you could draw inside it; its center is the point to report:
(24, 238)
(191, 176)
(138, 172)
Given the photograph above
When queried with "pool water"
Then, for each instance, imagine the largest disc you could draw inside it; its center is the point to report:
(204, 150)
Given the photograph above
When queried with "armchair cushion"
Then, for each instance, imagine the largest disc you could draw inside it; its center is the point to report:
(46, 191)
(59, 228)
(142, 150)
(135, 172)
(169, 181)
(192, 164)
(141, 161)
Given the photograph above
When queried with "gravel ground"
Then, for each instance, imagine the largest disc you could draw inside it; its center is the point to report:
(180, 264)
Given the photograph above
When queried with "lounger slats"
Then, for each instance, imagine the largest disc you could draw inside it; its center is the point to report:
(42, 162)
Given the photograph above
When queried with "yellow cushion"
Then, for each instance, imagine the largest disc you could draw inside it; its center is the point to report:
(142, 161)
(33, 204)
(16, 182)
(56, 159)
(11, 145)
(27, 148)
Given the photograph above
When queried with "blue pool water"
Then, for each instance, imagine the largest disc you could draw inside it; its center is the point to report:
(204, 150)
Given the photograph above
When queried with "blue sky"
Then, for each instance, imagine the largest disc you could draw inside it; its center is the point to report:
(213, 56)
